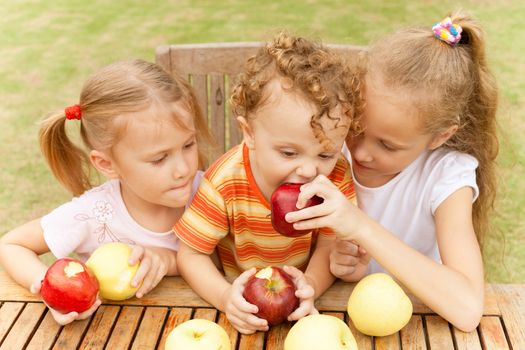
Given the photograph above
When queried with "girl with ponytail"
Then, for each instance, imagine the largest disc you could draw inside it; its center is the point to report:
(424, 169)
(139, 128)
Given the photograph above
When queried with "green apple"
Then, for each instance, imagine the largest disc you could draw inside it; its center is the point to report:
(198, 334)
(378, 306)
(316, 332)
(109, 263)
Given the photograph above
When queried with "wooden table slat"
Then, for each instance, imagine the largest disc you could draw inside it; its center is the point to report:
(232, 332)
(24, 326)
(467, 341)
(8, 314)
(150, 328)
(205, 313)
(71, 335)
(389, 342)
(46, 333)
(276, 335)
(413, 334)
(175, 317)
(511, 300)
(98, 332)
(251, 341)
(492, 333)
(439, 334)
(364, 342)
(125, 327)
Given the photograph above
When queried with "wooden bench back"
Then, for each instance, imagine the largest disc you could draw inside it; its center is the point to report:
(212, 69)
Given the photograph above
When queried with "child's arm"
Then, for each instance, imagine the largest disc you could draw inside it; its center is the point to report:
(453, 289)
(205, 279)
(19, 251)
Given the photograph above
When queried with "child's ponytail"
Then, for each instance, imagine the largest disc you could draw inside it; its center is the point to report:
(477, 133)
(69, 163)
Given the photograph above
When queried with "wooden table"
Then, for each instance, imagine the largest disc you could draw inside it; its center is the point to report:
(145, 323)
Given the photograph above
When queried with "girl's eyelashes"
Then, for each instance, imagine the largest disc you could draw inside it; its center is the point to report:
(190, 144)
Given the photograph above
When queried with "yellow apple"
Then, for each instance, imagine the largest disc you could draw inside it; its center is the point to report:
(109, 263)
(316, 332)
(378, 306)
(198, 334)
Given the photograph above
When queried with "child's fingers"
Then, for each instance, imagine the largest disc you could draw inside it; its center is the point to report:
(242, 326)
(345, 260)
(142, 271)
(305, 308)
(243, 278)
(35, 287)
(305, 292)
(341, 270)
(137, 254)
(347, 247)
(63, 319)
(86, 314)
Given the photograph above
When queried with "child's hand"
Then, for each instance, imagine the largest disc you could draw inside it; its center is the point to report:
(305, 292)
(153, 267)
(336, 211)
(345, 257)
(239, 312)
(63, 319)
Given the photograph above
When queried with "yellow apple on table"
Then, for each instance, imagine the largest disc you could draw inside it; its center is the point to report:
(198, 334)
(109, 263)
(378, 306)
(316, 332)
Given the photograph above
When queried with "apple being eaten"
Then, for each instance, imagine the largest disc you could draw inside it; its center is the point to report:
(198, 334)
(69, 286)
(273, 291)
(283, 201)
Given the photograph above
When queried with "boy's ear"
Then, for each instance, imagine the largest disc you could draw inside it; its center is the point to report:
(442, 137)
(247, 132)
(103, 163)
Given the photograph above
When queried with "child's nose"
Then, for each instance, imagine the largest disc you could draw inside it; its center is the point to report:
(307, 170)
(359, 152)
(180, 168)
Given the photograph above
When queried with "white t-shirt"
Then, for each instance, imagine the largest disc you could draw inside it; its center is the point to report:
(406, 204)
(100, 216)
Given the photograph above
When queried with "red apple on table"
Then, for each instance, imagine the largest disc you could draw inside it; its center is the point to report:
(272, 290)
(69, 286)
(283, 201)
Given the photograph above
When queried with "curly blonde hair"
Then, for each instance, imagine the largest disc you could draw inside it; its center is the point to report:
(322, 76)
(448, 86)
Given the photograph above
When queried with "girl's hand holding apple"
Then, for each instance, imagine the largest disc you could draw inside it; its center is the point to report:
(154, 265)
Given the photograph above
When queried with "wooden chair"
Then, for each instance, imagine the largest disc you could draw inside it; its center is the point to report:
(212, 69)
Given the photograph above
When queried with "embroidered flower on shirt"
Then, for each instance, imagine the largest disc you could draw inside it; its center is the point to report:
(103, 211)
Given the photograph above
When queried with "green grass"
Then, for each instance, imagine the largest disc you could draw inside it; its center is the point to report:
(48, 48)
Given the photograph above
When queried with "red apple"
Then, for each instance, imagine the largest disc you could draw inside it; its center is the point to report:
(273, 292)
(69, 286)
(283, 201)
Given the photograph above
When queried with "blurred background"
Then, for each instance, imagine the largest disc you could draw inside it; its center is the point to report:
(48, 48)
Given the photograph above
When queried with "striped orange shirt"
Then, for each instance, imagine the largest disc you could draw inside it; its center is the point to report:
(229, 212)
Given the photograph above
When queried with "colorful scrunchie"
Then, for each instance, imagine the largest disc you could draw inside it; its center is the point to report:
(447, 31)
(73, 112)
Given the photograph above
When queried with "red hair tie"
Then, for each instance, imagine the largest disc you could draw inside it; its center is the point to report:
(73, 112)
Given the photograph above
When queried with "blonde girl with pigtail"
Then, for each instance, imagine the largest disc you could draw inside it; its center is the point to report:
(140, 128)
(423, 167)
